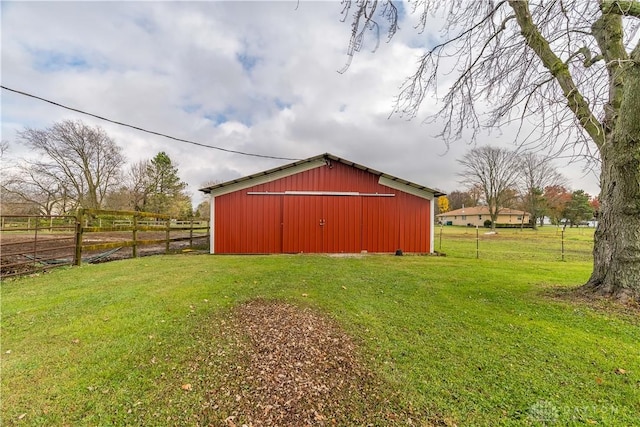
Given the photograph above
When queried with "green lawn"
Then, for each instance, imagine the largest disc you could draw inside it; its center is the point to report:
(465, 341)
(548, 243)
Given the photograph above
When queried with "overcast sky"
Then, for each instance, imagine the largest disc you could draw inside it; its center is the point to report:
(257, 77)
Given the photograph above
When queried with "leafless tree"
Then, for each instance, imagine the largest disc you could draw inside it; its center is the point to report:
(138, 184)
(27, 189)
(567, 70)
(494, 171)
(82, 161)
(459, 199)
(4, 147)
(30, 188)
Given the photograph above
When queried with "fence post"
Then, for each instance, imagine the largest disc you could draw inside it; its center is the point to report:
(562, 239)
(477, 242)
(78, 256)
(441, 227)
(166, 247)
(35, 244)
(134, 246)
(209, 234)
(191, 234)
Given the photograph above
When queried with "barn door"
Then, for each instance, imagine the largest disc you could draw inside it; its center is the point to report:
(380, 224)
(302, 224)
(342, 231)
(321, 224)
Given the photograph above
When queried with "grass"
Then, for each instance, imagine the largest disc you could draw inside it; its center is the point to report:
(464, 341)
(548, 243)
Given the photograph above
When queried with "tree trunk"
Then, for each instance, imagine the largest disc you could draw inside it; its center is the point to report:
(616, 253)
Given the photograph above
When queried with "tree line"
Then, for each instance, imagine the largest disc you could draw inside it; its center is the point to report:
(500, 178)
(75, 165)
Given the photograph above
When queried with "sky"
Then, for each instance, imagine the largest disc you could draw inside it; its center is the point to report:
(258, 77)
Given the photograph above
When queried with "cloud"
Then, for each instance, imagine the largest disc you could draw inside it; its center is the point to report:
(258, 77)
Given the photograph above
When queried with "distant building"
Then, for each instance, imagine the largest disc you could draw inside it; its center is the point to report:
(477, 215)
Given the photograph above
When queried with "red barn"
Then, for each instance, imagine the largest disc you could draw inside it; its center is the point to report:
(323, 204)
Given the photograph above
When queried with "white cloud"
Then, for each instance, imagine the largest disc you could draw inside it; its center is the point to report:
(257, 77)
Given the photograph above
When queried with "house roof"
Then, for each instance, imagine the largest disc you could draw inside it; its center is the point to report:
(306, 164)
(481, 210)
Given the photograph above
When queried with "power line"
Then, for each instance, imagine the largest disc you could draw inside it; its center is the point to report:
(145, 130)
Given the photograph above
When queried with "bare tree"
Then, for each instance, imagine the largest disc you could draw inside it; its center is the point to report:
(4, 147)
(135, 190)
(459, 199)
(572, 67)
(494, 171)
(138, 183)
(27, 189)
(83, 161)
(30, 188)
(536, 173)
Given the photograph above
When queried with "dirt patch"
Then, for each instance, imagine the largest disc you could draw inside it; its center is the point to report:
(297, 368)
(580, 296)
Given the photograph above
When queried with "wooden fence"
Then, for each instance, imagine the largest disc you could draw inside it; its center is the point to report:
(31, 244)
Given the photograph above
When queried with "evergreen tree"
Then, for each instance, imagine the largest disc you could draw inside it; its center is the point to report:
(579, 208)
(164, 186)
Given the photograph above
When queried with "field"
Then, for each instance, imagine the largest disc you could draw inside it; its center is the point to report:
(412, 340)
(548, 243)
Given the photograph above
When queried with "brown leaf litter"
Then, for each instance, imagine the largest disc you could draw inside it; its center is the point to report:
(296, 367)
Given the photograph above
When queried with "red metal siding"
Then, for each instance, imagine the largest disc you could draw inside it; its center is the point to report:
(380, 225)
(276, 223)
(414, 224)
(247, 224)
(342, 231)
(337, 177)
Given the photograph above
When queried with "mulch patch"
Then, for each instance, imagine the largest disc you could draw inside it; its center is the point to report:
(594, 301)
(295, 367)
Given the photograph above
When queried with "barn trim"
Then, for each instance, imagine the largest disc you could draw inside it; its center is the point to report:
(406, 186)
(318, 193)
(263, 177)
(312, 163)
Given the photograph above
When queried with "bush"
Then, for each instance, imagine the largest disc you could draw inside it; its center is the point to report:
(487, 223)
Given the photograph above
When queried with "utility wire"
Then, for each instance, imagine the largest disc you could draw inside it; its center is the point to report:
(145, 130)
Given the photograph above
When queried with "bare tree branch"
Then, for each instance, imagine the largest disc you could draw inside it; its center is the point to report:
(81, 159)
(559, 70)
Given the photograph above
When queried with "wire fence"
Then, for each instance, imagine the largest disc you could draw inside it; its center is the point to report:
(549, 243)
(30, 244)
